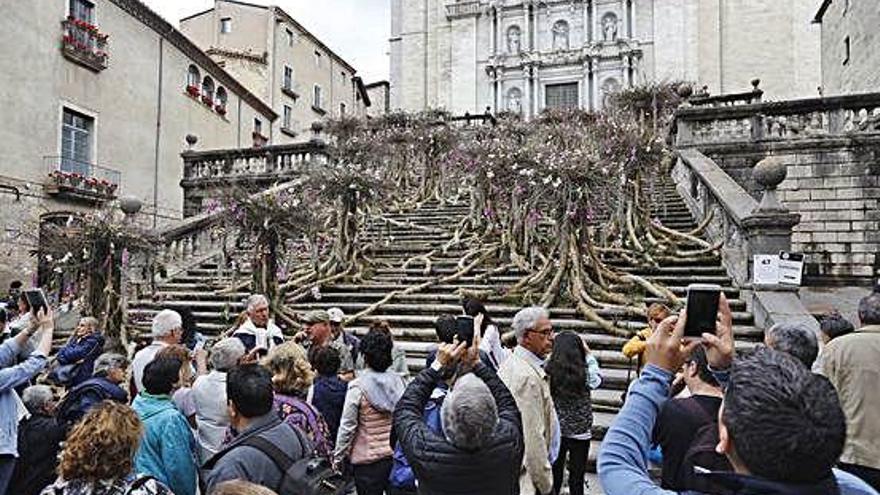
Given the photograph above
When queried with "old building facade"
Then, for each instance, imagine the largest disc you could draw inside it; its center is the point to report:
(275, 57)
(99, 97)
(849, 46)
(527, 55)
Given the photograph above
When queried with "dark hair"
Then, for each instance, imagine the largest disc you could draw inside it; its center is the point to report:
(23, 298)
(835, 325)
(3, 315)
(161, 374)
(567, 366)
(376, 349)
(473, 307)
(249, 387)
(16, 284)
(189, 327)
(326, 361)
(381, 326)
(785, 423)
(869, 309)
(444, 326)
(698, 357)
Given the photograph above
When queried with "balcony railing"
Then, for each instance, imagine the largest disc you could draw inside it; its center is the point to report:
(83, 44)
(270, 162)
(80, 180)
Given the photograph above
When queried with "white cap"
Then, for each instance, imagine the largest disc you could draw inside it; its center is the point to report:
(336, 315)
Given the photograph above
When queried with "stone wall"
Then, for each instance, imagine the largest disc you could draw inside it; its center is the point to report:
(857, 22)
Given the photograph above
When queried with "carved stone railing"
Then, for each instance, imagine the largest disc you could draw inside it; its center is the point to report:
(463, 9)
(778, 121)
(746, 228)
(251, 163)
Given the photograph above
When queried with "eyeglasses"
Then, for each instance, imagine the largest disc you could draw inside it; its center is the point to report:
(545, 333)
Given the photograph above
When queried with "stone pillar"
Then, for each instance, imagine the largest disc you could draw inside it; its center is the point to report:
(769, 227)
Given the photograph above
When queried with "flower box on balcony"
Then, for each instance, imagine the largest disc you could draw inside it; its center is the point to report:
(221, 109)
(208, 100)
(83, 44)
(259, 139)
(193, 91)
(79, 187)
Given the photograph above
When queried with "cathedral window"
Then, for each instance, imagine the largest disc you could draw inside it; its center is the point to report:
(561, 95)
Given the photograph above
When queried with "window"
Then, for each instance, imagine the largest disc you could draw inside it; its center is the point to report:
(76, 142)
(82, 10)
(288, 113)
(193, 77)
(845, 6)
(561, 95)
(208, 89)
(342, 109)
(258, 127)
(288, 78)
(221, 97)
(344, 76)
(291, 38)
(226, 25)
(317, 100)
(846, 50)
(317, 58)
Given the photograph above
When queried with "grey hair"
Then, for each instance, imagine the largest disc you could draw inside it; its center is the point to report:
(90, 320)
(469, 413)
(109, 361)
(794, 339)
(526, 319)
(254, 300)
(36, 397)
(869, 309)
(226, 353)
(166, 322)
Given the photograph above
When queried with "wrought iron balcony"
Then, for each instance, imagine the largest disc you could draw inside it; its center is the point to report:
(80, 180)
(83, 44)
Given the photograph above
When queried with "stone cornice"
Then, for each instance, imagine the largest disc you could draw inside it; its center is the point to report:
(234, 54)
(146, 16)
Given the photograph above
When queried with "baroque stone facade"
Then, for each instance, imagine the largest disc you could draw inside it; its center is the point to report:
(99, 98)
(850, 41)
(526, 55)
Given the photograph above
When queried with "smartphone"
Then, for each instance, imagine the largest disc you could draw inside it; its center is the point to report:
(464, 329)
(36, 299)
(702, 309)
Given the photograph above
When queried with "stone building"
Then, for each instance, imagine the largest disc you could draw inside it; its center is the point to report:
(526, 55)
(99, 97)
(380, 98)
(850, 42)
(280, 61)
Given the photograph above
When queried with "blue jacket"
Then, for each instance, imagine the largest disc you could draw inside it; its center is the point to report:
(84, 350)
(622, 462)
(11, 377)
(83, 397)
(168, 449)
(328, 397)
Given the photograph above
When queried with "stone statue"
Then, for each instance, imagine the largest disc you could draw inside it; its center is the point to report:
(609, 87)
(560, 35)
(514, 101)
(513, 40)
(609, 27)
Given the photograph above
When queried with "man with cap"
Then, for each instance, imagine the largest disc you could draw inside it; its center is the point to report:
(317, 333)
(343, 337)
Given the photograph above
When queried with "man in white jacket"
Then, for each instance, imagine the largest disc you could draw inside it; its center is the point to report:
(258, 331)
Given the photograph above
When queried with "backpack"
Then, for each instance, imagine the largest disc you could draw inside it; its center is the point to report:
(311, 475)
(402, 475)
(701, 456)
(73, 408)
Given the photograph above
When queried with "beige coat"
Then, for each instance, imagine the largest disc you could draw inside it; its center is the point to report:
(852, 363)
(530, 387)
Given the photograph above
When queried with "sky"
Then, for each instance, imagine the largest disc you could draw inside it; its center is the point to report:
(357, 30)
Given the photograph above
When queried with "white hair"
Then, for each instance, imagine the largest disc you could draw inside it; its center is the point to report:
(36, 397)
(469, 413)
(90, 321)
(255, 300)
(526, 319)
(166, 322)
(226, 353)
(109, 361)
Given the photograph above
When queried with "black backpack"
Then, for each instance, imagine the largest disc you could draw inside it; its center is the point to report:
(311, 475)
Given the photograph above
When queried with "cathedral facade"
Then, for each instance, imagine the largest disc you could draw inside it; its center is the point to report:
(527, 55)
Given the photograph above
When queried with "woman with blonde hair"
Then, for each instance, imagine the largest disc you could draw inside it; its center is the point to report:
(98, 456)
(292, 376)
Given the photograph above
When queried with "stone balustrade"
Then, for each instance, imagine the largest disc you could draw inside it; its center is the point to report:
(777, 121)
(223, 165)
(463, 9)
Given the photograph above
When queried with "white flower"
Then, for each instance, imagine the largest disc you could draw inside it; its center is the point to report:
(316, 293)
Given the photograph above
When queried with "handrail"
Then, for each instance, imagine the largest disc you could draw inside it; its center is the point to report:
(737, 202)
(269, 161)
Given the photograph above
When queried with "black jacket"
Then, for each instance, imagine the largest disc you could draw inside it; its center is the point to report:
(39, 441)
(442, 468)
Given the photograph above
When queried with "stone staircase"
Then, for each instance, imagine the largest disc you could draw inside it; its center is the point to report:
(411, 317)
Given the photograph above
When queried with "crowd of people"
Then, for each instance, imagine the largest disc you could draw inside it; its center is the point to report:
(321, 410)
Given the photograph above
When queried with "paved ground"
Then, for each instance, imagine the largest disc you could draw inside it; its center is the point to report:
(820, 300)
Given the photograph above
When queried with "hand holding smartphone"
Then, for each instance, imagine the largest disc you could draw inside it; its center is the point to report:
(464, 329)
(701, 309)
(36, 300)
